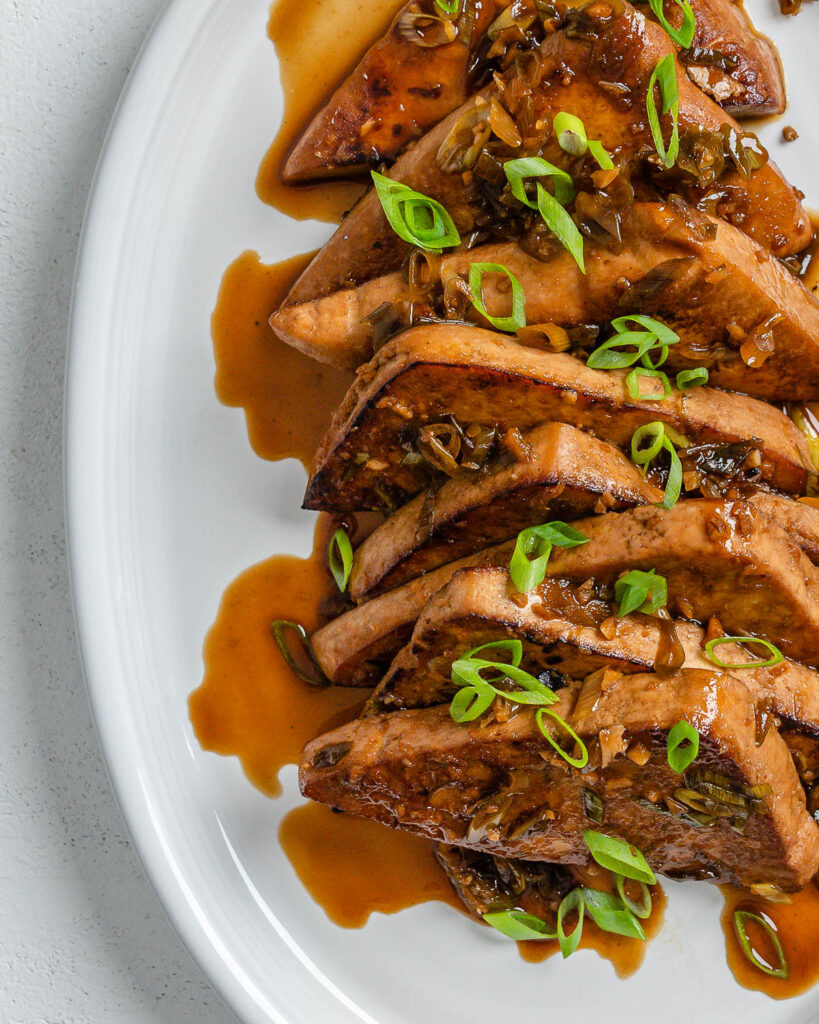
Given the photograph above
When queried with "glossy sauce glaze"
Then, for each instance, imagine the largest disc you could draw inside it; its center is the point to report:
(317, 43)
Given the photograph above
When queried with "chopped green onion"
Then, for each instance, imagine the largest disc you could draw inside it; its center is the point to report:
(601, 155)
(518, 171)
(558, 221)
(741, 920)
(414, 217)
(449, 6)
(633, 384)
(518, 925)
(340, 558)
(529, 572)
(688, 379)
(572, 139)
(280, 628)
(618, 856)
(575, 762)
(665, 74)
(476, 692)
(572, 902)
(683, 745)
(515, 648)
(640, 591)
(470, 702)
(662, 331)
(673, 485)
(684, 35)
(517, 318)
(656, 435)
(774, 659)
(636, 344)
(641, 909)
(610, 915)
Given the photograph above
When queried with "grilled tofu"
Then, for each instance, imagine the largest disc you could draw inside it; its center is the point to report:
(426, 376)
(500, 787)
(624, 49)
(722, 559)
(561, 473)
(737, 310)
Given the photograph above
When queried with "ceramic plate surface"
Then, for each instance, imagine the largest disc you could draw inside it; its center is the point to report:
(167, 504)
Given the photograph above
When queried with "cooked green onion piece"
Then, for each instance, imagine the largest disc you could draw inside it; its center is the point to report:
(572, 139)
(628, 345)
(775, 657)
(414, 217)
(741, 920)
(517, 318)
(449, 6)
(518, 925)
(641, 909)
(610, 915)
(684, 35)
(662, 331)
(642, 454)
(515, 648)
(619, 857)
(665, 75)
(340, 558)
(558, 221)
(640, 591)
(476, 691)
(575, 762)
(601, 155)
(533, 547)
(688, 379)
(572, 902)
(280, 628)
(683, 745)
(518, 171)
(470, 702)
(660, 393)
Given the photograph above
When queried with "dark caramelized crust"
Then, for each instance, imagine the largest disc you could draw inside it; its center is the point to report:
(499, 787)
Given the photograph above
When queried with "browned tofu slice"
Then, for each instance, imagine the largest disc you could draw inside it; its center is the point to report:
(499, 787)
(722, 559)
(562, 474)
(623, 49)
(429, 374)
(737, 310)
(798, 519)
(565, 639)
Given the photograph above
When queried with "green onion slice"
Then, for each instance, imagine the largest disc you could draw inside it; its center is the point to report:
(641, 908)
(519, 171)
(340, 558)
(741, 920)
(601, 155)
(558, 221)
(662, 331)
(280, 628)
(517, 318)
(414, 217)
(684, 35)
(628, 345)
(609, 914)
(775, 654)
(470, 702)
(449, 6)
(476, 691)
(688, 379)
(575, 762)
(646, 444)
(660, 394)
(572, 902)
(619, 857)
(665, 75)
(515, 648)
(533, 548)
(640, 591)
(572, 139)
(683, 745)
(518, 925)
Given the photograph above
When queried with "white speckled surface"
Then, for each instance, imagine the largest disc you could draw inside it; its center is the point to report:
(82, 937)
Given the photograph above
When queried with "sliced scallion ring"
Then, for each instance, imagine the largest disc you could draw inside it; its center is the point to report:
(647, 443)
(682, 746)
(513, 646)
(517, 318)
(519, 171)
(572, 902)
(518, 925)
(618, 856)
(611, 915)
(280, 628)
(414, 217)
(641, 908)
(533, 548)
(558, 221)
(571, 133)
(340, 558)
(684, 35)
(601, 155)
(633, 384)
(639, 591)
(775, 654)
(742, 918)
(449, 6)
(665, 75)
(688, 379)
(575, 762)
(662, 331)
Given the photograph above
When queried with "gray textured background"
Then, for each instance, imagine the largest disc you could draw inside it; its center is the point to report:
(82, 936)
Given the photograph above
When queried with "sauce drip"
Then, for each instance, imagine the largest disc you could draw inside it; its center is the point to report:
(250, 704)
(317, 42)
(287, 397)
(797, 926)
(353, 867)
